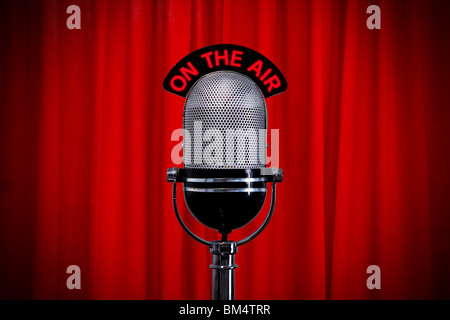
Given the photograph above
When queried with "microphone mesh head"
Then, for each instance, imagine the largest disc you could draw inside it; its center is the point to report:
(224, 123)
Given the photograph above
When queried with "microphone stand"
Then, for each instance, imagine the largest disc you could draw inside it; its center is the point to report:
(223, 261)
(223, 269)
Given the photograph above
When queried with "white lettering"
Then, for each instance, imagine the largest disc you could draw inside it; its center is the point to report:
(74, 281)
(374, 21)
(74, 21)
(374, 281)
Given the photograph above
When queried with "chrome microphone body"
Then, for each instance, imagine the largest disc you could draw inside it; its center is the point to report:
(224, 129)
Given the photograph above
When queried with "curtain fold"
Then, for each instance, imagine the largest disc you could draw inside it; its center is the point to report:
(85, 141)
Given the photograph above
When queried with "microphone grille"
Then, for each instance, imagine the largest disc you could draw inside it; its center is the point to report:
(225, 121)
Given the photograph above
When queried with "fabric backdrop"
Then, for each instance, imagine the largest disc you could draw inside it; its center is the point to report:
(85, 141)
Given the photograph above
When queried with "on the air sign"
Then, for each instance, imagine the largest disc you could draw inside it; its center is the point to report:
(225, 57)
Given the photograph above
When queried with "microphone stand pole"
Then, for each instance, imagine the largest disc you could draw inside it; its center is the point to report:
(223, 269)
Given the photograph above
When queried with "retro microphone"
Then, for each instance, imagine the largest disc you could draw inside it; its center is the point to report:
(225, 178)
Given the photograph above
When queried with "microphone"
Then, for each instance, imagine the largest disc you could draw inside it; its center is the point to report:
(225, 178)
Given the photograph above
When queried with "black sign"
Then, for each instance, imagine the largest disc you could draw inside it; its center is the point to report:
(225, 57)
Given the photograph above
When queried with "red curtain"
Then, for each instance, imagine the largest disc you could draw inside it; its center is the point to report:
(85, 142)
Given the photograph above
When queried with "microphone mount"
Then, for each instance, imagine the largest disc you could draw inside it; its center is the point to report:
(223, 261)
